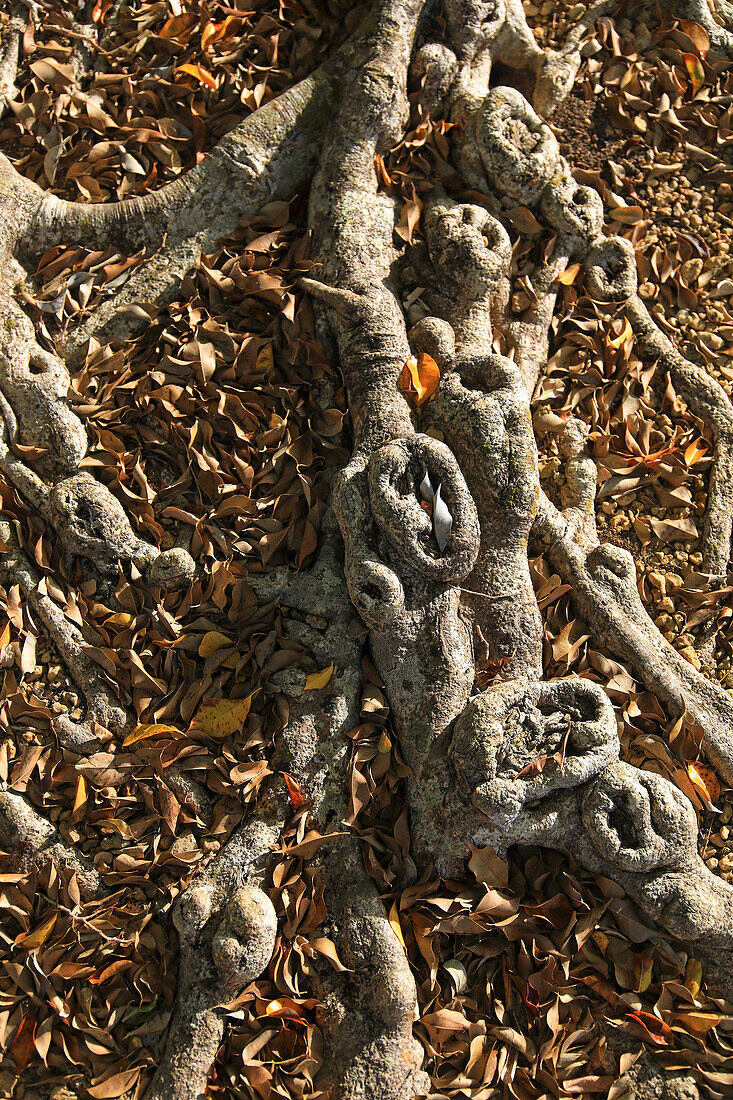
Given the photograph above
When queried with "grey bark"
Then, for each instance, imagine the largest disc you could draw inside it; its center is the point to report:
(438, 604)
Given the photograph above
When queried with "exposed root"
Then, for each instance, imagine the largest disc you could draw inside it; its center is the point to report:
(269, 154)
(37, 841)
(605, 594)
(11, 35)
(226, 929)
(103, 711)
(435, 535)
(708, 399)
(368, 1012)
(35, 411)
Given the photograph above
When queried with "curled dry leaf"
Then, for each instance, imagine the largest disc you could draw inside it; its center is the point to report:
(419, 379)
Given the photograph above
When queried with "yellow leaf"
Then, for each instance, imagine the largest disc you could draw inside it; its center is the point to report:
(212, 641)
(221, 717)
(5, 635)
(419, 378)
(601, 939)
(569, 274)
(384, 744)
(200, 74)
(695, 71)
(265, 358)
(38, 936)
(80, 799)
(120, 618)
(394, 920)
(643, 967)
(626, 334)
(117, 825)
(145, 732)
(699, 1021)
(319, 679)
(694, 452)
(704, 780)
(693, 976)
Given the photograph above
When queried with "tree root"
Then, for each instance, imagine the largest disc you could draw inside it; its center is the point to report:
(367, 1013)
(103, 711)
(226, 929)
(35, 840)
(267, 155)
(435, 534)
(10, 42)
(34, 408)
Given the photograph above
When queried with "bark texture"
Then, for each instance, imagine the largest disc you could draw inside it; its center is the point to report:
(440, 601)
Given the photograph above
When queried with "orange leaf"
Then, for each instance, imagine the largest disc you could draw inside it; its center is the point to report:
(296, 795)
(178, 25)
(695, 71)
(214, 32)
(568, 275)
(23, 1043)
(694, 452)
(284, 1007)
(657, 1031)
(419, 378)
(698, 35)
(198, 73)
(704, 780)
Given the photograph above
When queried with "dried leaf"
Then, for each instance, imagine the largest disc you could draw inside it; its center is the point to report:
(394, 920)
(297, 797)
(695, 71)
(419, 379)
(705, 781)
(213, 641)
(147, 732)
(218, 718)
(693, 976)
(316, 680)
(625, 334)
(22, 1045)
(200, 74)
(568, 276)
(38, 936)
(442, 520)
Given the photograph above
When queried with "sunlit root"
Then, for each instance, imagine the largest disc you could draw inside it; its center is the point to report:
(226, 928)
(11, 33)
